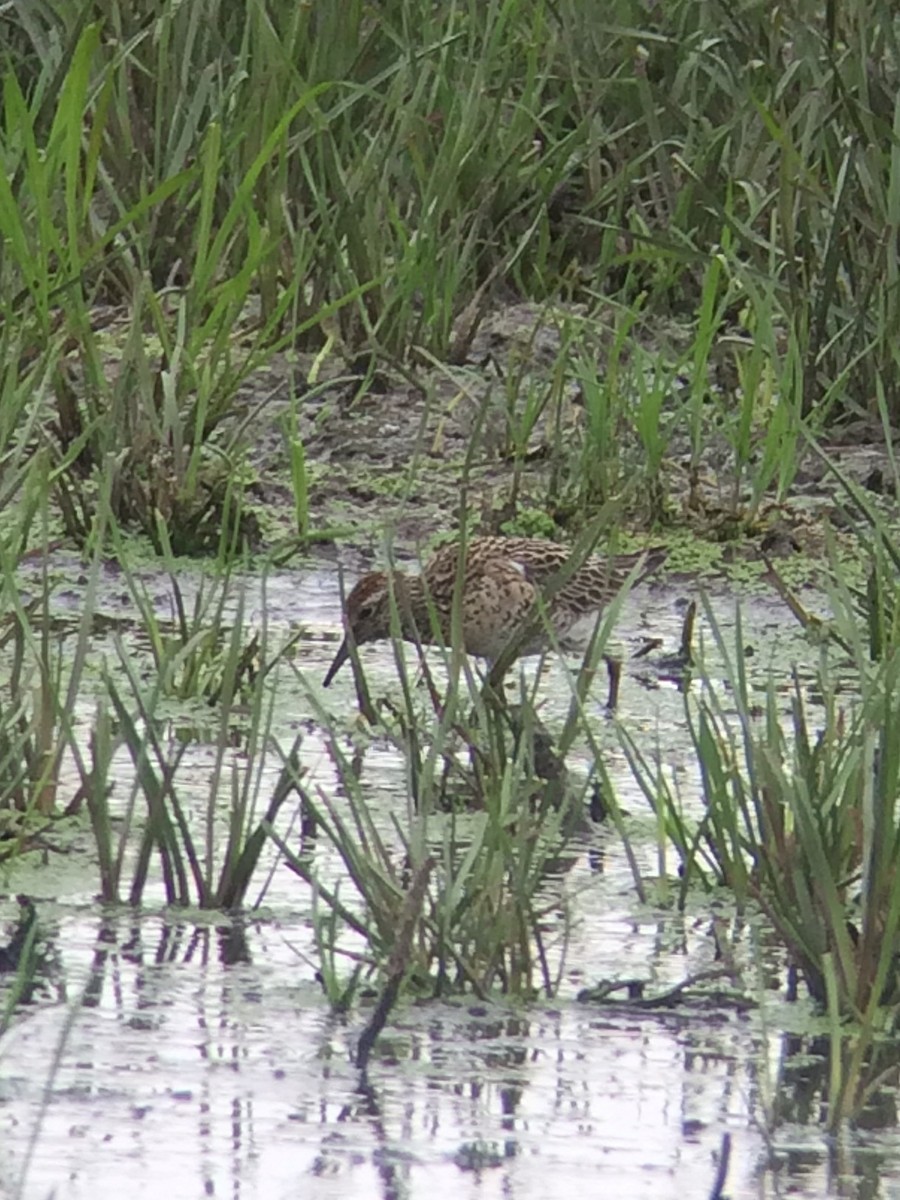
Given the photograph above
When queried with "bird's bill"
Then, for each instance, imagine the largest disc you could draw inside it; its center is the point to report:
(340, 658)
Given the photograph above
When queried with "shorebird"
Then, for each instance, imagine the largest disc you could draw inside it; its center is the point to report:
(504, 581)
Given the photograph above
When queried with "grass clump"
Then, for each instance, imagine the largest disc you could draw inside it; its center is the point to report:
(368, 185)
(206, 852)
(801, 820)
(469, 886)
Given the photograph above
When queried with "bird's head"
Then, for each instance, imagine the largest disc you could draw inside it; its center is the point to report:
(367, 614)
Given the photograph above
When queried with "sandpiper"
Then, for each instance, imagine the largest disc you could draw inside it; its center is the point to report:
(503, 584)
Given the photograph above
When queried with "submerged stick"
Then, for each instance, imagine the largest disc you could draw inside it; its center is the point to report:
(397, 963)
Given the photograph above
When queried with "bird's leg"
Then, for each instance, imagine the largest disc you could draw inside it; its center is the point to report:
(363, 697)
(614, 670)
(685, 652)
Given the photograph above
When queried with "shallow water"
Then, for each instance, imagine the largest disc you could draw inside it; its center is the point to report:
(196, 1056)
(195, 1077)
(189, 1073)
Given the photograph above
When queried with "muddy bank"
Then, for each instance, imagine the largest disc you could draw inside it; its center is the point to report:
(387, 451)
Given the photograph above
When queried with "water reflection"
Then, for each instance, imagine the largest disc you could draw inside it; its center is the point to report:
(201, 1060)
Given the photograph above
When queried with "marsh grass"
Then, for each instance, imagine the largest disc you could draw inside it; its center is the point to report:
(477, 924)
(32, 737)
(172, 219)
(210, 866)
(865, 604)
(201, 650)
(48, 669)
(800, 821)
(204, 854)
(21, 958)
(206, 859)
(145, 400)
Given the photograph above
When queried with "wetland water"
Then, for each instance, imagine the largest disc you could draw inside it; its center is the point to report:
(187, 1055)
